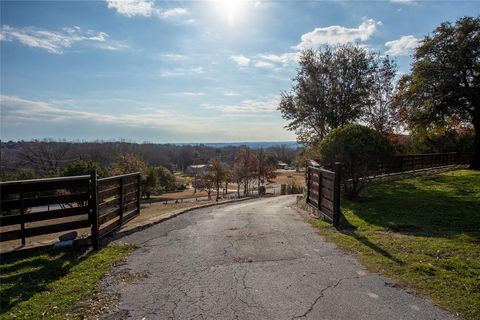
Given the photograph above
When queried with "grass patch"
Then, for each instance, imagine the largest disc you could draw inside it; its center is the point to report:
(424, 232)
(48, 283)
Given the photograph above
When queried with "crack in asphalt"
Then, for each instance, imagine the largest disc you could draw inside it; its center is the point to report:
(322, 292)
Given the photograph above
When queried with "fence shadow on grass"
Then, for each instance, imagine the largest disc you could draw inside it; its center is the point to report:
(437, 206)
(24, 274)
(350, 230)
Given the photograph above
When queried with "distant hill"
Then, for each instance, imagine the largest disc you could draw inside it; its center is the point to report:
(253, 145)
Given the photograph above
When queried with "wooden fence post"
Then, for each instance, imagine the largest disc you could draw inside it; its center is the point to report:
(308, 183)
(122, 200)
(22, 212)
(94, 209)
(139, 176)
(320, 177)
(336, 195)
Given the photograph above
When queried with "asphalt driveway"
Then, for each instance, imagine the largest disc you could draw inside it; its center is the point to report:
(256, 259)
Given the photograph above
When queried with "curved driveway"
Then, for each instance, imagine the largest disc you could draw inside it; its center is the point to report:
(256, 259)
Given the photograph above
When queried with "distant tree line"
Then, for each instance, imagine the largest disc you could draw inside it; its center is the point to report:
(247, 168)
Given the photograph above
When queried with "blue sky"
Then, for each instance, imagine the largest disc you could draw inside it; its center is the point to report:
(181, 71)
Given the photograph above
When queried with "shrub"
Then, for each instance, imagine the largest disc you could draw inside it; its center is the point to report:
(157, 179)
(359, 148)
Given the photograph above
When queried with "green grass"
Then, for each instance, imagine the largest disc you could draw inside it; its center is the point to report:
(424, 232)
(49, 284)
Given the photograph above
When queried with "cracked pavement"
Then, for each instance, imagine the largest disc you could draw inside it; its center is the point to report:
(256, 259)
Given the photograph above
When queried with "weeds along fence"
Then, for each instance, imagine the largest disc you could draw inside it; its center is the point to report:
(37, 207)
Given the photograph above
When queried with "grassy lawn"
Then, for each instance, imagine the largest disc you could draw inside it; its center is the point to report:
(424, 232)
(50, 284)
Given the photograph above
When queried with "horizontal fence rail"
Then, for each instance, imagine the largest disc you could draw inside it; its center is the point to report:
(323, 186)
(37, 207)
(411, 162)
(62, 204)
(119, 201)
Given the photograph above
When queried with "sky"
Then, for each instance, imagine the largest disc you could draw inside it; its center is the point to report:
(182, 71)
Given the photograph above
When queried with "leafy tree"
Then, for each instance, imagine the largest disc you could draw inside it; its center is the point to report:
(167, 180)
(158, 179)
(83, 167)
(359, 148)
(128, 163)
(444, 85)
(381, 115)
(441, 140)
(150, 183)
(331, 89)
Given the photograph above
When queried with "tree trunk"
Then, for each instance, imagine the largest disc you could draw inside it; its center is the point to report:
(475, 162)
(218, 192)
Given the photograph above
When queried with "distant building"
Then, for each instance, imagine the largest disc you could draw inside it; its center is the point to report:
(196, 169)
(282, 165)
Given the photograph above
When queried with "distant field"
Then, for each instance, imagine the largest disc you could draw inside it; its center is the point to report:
(423, 232)
(289, 176)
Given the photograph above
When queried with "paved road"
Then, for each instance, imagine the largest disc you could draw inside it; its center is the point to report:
(256, 259)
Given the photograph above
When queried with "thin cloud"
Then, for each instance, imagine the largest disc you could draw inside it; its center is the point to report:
(246, 106)
(131, 8)
(241, 60)
(175, 72)
(23, 113)
(231, 94)
(57, 41)
(403, 46)
(144, 8)
(15, 109)
(173, 56)
(406, 2)
(172, 13)
(189, 94)
(338, 35)
(264, 64)
(283, 60)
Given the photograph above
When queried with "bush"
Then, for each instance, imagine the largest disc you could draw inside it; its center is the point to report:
(359, 148)
(157, 179)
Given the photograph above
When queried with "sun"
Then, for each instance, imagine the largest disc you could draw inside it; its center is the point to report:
(230, 9)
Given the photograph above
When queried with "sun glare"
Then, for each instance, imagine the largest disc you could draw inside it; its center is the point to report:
(230, 9)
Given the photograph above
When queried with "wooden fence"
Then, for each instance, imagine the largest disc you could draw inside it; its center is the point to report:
(411, 162)
(37, 207)
(118, 202)
(323, 186)
(323, 191)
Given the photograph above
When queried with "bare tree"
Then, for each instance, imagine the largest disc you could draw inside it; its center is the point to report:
(47, 155)
(382, 115)
(218, 173)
